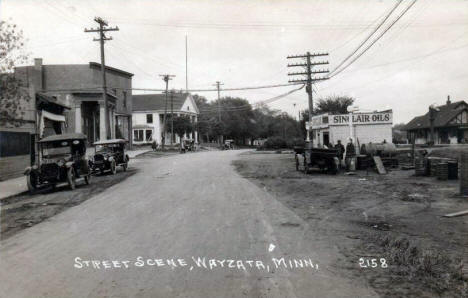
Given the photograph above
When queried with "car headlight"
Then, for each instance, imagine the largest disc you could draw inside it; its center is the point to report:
(60, 163)
(34, 167)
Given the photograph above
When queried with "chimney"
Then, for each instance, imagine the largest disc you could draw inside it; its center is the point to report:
(448, 100)
(37, 63)
(37, 75)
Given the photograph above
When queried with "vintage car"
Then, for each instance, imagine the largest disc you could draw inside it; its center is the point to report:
(325, 159)
(62, 159)
(108, 155)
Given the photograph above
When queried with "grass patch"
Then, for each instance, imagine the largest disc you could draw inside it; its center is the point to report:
(435, 270)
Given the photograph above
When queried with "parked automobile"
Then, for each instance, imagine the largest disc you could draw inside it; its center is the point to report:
(62, 159)
(108, 155)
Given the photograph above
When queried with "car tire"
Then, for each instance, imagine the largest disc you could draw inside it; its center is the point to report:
(71, 178)
(113, 167)
(125, 166)
(31, 184)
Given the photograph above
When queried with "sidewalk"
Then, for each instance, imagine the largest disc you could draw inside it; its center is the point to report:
(12, 187)
(18, 185)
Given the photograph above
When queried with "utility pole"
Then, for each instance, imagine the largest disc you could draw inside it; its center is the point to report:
(172, 117)
(218, 86)
(309, 79)
(166, 79)
(186, 65)
(103, 27)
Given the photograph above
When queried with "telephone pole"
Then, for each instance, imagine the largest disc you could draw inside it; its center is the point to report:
(218, 86)
(309, 79)
(103, 27)
(166, 79)
(172, 117)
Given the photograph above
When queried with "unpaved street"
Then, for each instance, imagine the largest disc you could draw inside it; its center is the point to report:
(179, 207)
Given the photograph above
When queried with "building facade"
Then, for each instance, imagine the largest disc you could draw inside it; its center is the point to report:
(64, 99)
(148, 116)
(373, 127)
(445, 124)
(79, 87)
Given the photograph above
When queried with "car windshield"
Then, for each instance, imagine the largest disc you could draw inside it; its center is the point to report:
(55, 149)
(107, 148)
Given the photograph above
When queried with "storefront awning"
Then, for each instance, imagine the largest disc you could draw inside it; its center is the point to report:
(50, 116)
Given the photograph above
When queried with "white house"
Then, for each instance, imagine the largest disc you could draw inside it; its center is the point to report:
(148, 116)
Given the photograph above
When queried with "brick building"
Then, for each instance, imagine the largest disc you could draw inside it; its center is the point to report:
(64, 99)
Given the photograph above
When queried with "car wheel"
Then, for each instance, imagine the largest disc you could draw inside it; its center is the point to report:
(87, 178)
(125, 166)
(113, 167)
(31, 181)
(71, 178)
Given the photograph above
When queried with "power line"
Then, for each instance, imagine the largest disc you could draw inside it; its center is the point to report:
(91, 88)
(247, 106)
(375, 40)
(368, 37)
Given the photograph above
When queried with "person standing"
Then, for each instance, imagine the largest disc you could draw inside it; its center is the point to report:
(341, 149)
(350, 153)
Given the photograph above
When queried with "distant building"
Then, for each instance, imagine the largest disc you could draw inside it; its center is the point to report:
(148, 116)
(449, 123)
(64, 99)
(374, 127)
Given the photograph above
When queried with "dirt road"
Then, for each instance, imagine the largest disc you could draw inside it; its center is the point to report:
(394, 217)
(180, 208)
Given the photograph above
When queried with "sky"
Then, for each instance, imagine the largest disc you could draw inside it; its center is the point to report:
(416, 63)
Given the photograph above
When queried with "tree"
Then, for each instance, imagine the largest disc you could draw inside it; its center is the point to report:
(182, 125)
(333, 105)
(398, 134)
(11, 92)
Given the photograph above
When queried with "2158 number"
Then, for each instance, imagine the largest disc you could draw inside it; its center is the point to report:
(372, 263)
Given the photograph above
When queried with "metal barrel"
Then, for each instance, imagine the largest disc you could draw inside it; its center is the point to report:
(419, 168)
(374, 148)
(453, 170)
(464, 173)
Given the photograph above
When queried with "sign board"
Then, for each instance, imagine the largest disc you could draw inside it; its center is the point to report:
(362, 118)
(320, 121)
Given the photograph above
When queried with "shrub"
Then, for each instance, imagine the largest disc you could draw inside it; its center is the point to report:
(275, 143)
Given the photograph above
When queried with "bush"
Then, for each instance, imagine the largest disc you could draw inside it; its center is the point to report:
(275, 143)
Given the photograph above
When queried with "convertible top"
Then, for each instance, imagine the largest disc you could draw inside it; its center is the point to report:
(111, 141)
(64, 137)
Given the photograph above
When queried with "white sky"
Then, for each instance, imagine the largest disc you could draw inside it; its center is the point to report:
(420, 60)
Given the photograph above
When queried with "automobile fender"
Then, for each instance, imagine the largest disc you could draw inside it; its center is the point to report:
(27, 170)
(69, 164)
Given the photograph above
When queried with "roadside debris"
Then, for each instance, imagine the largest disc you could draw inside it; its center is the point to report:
(455, 214)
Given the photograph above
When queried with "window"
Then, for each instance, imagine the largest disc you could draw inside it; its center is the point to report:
(142, 135)
(138, 135)
(149, 135)
(149, 118)
(124, 98)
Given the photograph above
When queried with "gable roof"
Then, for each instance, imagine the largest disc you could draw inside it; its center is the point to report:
(443, 116)
(157, 102)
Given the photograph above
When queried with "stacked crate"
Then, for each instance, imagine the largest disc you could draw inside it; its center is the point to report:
(442, 170)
